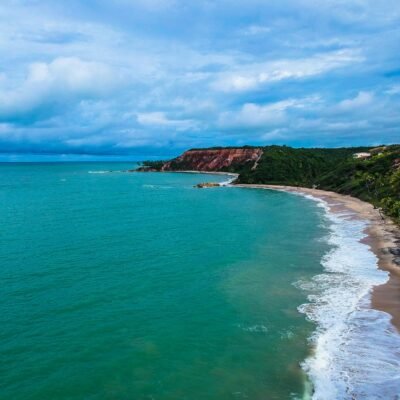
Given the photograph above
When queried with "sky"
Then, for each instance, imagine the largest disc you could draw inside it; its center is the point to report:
(138, 79)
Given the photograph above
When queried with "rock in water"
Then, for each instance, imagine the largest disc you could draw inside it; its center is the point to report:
(207, 185)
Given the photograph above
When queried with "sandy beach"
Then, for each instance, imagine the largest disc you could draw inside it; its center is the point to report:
(382, 233)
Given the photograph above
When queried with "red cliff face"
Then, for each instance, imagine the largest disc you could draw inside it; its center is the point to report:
(212, 159)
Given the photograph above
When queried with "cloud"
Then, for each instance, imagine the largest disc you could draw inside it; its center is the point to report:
(393, 90)
(159, 119)
(275, 134)
(362, 99)
(256, 30)
(72, 75)
(137, 76)
(59, 81)
(254, 76)
(253, 115)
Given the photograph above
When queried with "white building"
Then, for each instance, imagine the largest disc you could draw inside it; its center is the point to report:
(361, 155)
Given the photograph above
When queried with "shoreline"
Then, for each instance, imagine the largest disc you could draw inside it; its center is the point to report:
(382, 234)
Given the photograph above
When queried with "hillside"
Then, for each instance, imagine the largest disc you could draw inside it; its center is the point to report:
(375, 179)
(216, 159)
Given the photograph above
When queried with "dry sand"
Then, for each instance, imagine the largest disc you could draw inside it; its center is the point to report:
(382, 235)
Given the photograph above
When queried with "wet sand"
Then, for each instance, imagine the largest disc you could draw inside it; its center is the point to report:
(382, 233)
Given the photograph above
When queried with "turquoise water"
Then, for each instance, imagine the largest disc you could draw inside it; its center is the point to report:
(139, 286)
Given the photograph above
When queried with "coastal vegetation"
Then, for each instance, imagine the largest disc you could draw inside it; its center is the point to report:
(369, 173)
(374, 177)
(151, 165)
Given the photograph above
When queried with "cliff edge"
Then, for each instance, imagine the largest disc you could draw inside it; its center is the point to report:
(214, 159)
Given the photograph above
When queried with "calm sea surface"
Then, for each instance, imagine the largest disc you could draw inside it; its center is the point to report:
(139, 286)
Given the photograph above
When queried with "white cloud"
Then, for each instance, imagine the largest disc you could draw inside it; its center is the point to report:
(255, 115)
(346, 126)
(362, 99)
(153, 118)
(326, 125)
(149, 5)
(274, 134)
(160, 119)
(73, 75)
(61, 79)
(252, 76)
(256, 30)
(394, 90)
(134, 73)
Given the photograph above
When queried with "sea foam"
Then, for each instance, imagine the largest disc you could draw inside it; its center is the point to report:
(228, 182)
(356, 349)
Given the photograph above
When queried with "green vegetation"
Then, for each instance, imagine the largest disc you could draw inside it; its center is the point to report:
(283, 165)
(375, 179)
(154, 165)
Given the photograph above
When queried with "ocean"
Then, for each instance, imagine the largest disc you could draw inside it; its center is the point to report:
(135, 286)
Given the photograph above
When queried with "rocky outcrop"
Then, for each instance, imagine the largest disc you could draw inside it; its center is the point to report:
(207, 185)
(213, 159)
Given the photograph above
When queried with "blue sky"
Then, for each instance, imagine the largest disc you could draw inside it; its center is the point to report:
(142, 78)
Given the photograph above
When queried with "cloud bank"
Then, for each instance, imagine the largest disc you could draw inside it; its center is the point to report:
(144, 78)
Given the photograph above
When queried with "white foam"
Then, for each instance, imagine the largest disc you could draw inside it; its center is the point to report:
(356, 349)
(228, 182)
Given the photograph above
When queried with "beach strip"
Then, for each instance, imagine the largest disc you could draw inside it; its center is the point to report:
(382, 237)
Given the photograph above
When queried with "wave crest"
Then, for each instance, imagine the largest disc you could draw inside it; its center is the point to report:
(356, 349)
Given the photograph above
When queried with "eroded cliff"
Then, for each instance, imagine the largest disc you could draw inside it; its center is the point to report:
(213, 159)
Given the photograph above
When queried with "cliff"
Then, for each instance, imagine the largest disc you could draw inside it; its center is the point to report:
(226, 159)
(375, 179)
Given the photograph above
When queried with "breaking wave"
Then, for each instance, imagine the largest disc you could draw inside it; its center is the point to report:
(356, 349)
(228, 182)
